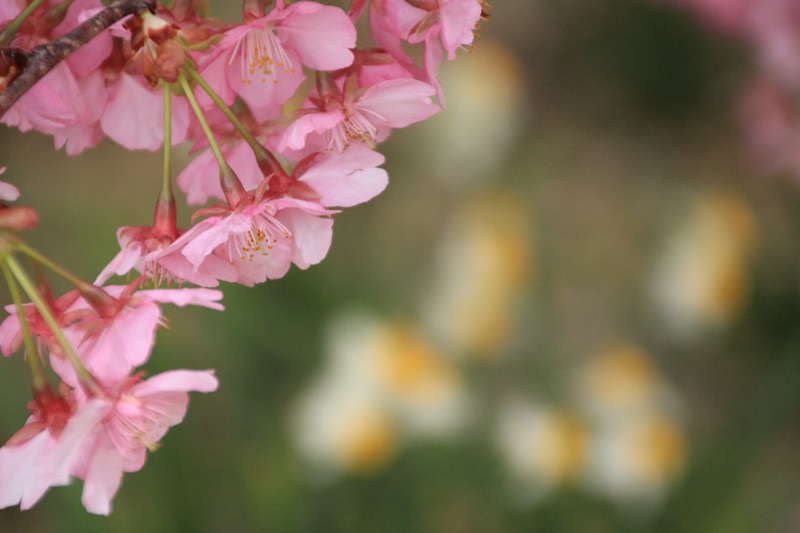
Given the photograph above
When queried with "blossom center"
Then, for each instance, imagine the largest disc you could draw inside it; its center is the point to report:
(260, 239)
(263, 56)
(134, 424)
(355, 126)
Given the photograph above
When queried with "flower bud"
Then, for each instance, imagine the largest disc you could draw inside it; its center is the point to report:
(18, 218)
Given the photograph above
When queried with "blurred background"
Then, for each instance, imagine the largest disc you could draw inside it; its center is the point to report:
(574, 309)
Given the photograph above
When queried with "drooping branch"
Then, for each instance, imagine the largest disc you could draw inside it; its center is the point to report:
(44, 57)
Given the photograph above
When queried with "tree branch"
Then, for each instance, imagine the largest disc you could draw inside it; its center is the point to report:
(43, 58)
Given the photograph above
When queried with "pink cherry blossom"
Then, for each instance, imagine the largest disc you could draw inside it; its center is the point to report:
(11, 331)
(142, 248)
(58, 103)
(95, 437)
(443, 25)
(367, 113)
(40, 455)
(110, 346)
(68, 101)
(139, 416)
(260, 239)
(449, 23)
(347, 179)
(287, 218)
(261, 60)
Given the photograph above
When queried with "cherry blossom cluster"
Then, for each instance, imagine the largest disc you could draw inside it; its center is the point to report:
(284, 112)
(770, 106)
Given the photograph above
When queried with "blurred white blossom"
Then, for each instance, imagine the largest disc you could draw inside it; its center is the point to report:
(702, 278)
(485, 263)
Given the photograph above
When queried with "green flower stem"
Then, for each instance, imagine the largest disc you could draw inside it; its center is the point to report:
(61, 271)
(46, 313)
(37, 370)
(13, 27)
(266, 161)
(56, 14)
(165, 219)
(99, 299)
(231, 186)
(166, 183)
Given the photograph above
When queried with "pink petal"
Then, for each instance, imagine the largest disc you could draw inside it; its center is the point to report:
(458, 20)
(55, 102)
(183, 297)
(28, 469)
(208, 274)
(272, 265)
(20, 482)
(129, 257)
(89, 57)
(200, 179)
(177, 380)
(8, 11)
(134, 116)
(124, 345)
(394, 17)
(8, 192)
(433, 58)
(209, 234)
(399, 102)
(321, 35)
(294, 136)
(103, 476)
(347, 179)
(10, 334)
(312, 236)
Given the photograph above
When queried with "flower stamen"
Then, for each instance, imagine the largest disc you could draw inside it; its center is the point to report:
(263, 57)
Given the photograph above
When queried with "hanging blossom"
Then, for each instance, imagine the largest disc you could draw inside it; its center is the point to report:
(147, 56)
(286, 220)
(68, 101)
(105, 416)
(40, 454)
(361, 113)
(261, 60)
(142, 248)
(94, 436)
(112, 86)
(449, 24)
(443, 25)
(111, 338)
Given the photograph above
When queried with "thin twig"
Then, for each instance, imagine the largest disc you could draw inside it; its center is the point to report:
(44, 57)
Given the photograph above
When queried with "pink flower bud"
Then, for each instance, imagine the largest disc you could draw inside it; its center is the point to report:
(19, 218)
